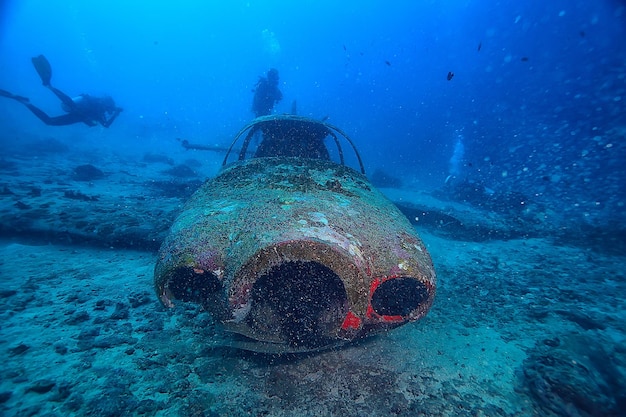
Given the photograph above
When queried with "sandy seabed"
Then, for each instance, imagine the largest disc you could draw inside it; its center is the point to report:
(519, 328)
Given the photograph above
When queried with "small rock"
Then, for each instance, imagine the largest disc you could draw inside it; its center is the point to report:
(64, 389)
(19, 349)
(181, 171)
(60, 348)
(89, 333)
(4, 396)
(139, 299)
(7, 293)
(102, 304)
(552, 342)
(87, 173)
(78, 317)
(42, 386)
(85, 338)
(153, 325)
(121, 312)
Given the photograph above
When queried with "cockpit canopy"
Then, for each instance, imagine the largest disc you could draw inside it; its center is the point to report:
(292, 136)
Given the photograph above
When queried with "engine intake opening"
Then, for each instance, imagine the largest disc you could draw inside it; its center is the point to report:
(399, 296)
(301, 303)
(190, 284)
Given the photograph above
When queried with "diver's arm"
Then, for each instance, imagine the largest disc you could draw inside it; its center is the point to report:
(116, 112)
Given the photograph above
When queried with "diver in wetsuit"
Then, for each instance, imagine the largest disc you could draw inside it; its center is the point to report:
(266, 94)
(82, 109)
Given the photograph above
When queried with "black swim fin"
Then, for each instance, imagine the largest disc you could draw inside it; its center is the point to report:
(5, 93)
(43, 68)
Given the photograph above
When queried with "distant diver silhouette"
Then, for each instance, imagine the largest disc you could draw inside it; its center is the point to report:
(82, 109)
(266, 94)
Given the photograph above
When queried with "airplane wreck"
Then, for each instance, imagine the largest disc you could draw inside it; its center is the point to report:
(292, 250)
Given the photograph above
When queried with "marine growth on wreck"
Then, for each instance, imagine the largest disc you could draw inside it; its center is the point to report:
(292, 250)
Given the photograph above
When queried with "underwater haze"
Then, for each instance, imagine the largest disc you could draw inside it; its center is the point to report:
(497, 127)
(532, 80)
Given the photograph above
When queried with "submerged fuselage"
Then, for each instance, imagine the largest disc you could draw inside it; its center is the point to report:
(296, 254)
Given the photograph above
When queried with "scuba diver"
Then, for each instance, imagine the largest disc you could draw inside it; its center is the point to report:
(82, 109)
(266, 94)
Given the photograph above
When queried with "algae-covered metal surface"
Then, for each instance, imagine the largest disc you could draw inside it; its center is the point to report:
(296, 254)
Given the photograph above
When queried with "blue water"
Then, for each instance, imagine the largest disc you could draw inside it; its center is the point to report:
(546, 72)
(514, 107)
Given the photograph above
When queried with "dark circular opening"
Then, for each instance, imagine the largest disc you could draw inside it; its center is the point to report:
(399, 296)
(189, 284)
(298, 302)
